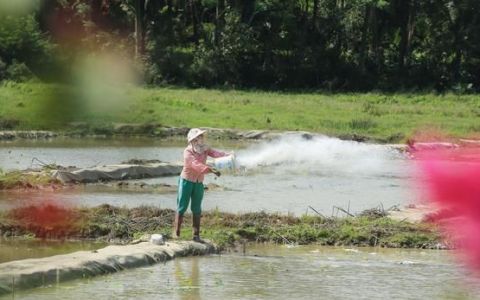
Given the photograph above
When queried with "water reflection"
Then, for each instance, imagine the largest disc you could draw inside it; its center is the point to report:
(277, 272)
(15, 249)
(188, 281)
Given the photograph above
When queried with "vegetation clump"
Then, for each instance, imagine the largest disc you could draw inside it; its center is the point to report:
(120, 224)
(25, 180)
(321, 44)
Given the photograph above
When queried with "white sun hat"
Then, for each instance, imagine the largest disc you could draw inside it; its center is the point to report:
(194, 133)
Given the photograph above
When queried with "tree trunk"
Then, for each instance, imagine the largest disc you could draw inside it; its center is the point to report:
(219, 20)
(96, 12)
(376, 21)
(411, 31)
(139, 28)
(247, 10)
(315, 13)
(195, 21)
(340, 30)
(45, 12)
(407, 22)
(364, 40)
(457, 40)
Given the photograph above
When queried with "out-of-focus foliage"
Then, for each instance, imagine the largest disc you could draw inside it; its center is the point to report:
(319, 44)
(22, 44)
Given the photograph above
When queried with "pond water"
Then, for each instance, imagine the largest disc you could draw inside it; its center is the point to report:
(15, 249)
(285, 176)
(278, 272)
(88, 152)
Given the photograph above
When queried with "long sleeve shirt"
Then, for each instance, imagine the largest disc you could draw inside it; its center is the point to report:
(194, 164)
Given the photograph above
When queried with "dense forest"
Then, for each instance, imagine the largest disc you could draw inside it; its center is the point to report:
(336, 45)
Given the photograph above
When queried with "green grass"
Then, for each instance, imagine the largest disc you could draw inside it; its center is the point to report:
(107, 223)
(388, 117)
(18, 179)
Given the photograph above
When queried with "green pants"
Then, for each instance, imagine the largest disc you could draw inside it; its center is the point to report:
(187, 190)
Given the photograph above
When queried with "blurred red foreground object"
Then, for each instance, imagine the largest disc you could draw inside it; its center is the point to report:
(50, 219)
(451, 178)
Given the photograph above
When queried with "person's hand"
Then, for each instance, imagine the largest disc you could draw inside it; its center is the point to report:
(215, 171)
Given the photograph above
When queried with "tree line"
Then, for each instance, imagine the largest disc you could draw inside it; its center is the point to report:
(337, 45)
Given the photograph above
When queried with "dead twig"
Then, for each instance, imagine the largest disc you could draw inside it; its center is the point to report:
(283, 238)
(318, 213)
(343, 210)
(393, 208)
(43, 164)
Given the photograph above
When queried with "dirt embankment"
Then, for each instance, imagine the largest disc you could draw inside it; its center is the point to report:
(156, 130)
(55, 177)
(160, 131)
(112, 178)
(121, 225)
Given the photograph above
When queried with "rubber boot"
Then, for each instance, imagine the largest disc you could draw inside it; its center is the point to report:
(177, 226)
(196, 228)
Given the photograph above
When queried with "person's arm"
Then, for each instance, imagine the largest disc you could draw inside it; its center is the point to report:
(199, 167)
(216, 154)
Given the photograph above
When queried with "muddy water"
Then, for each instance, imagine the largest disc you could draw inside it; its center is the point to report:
(15, 249)
(277, 272)
(89, 152)
(286, 176)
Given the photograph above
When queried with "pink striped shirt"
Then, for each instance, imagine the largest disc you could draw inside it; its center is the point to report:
(194, 164)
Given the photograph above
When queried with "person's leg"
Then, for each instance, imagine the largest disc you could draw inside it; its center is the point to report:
(196, 206)
(177, 225)
(196, 228)
(184, 193)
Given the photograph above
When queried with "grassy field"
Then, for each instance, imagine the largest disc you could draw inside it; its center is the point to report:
(387, 117)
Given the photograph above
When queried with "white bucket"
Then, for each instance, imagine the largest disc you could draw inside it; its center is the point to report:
(157, 239)
(225, 163)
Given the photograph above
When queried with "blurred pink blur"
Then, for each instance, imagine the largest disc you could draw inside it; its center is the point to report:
(451, 181)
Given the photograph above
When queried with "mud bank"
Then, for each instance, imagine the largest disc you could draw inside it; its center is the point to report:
(41, 181)
(31, 273)
(30, 134)
(120, 225)
(155, 130)
(159, 131)
(117, 172)
(57, 176)
(140, 187)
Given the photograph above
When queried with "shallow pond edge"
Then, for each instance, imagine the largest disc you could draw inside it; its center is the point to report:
(31, 273)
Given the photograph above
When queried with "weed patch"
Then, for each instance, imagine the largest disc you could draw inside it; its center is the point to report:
(110, 223)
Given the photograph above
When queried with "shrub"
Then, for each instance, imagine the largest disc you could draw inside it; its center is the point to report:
(371, 109)
(18, 72)
(3, 69)
(23, 48)
(362, 124)
(8, 124)
(229, 61)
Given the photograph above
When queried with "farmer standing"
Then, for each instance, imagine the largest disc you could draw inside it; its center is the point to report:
(190, 183)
